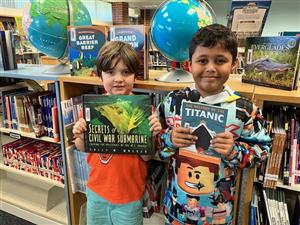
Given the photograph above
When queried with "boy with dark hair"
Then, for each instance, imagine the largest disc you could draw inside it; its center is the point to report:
(212, 52)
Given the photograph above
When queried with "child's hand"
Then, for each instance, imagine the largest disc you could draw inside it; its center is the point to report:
(79, 128)
(155, 125)
(182, 137)
(223, 143)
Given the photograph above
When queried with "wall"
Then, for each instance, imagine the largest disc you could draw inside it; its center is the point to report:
(284, 15)
(100, 11)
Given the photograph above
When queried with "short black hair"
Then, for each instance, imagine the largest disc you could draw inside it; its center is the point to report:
(212, 35)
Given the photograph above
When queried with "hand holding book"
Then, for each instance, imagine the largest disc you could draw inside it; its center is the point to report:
(78, 131)
(223, 143)
(182, 137)
(155, 126)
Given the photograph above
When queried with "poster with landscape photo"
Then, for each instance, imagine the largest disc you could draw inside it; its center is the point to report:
(272, 61)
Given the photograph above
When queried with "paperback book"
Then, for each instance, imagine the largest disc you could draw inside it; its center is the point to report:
(205, 121)
(85, 43)
(272, 62)
(136, 36)
(247, 18)
(118, 124)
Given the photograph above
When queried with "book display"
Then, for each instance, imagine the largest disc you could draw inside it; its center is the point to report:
(85, 43)
(261, 94)
(137, 37)
(272, 62)
(43, 176)
(247, 18)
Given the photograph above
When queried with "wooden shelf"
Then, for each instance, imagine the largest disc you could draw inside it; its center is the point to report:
(39, 200)
(73, 86)
(283, 186)
(152, 84)
(31, 176)
(292, 188)
(29, 135)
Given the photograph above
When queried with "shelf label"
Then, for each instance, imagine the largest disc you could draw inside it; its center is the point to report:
(14, 135)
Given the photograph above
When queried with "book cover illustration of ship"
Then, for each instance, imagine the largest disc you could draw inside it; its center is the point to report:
(205, 121)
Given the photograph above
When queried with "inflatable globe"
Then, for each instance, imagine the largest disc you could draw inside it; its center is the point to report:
(173, 25)
(45, 24)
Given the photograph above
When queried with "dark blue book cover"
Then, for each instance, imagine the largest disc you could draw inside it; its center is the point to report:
(85, 43)
(136, 36)
(205, 121)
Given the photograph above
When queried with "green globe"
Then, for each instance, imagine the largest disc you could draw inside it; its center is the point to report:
(45, 24)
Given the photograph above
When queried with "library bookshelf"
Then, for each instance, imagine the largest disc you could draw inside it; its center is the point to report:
(66, 87)
(33, 197)
(74, 86)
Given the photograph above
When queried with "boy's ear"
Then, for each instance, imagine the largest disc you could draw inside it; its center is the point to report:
(190, 65)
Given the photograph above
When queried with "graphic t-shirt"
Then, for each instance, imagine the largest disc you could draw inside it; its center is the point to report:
(118, 178)
(201, 187)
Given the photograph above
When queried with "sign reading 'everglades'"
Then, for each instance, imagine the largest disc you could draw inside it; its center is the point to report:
(118, 124)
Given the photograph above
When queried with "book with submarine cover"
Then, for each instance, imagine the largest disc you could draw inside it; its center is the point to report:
(118, 124)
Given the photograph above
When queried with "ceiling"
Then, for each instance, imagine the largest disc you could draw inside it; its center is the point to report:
(140, 4)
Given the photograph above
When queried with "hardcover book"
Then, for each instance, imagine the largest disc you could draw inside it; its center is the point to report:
(118, 124)
(247, 18)
(205, 121)
(85, 43)
(272, 62)
(136, 36)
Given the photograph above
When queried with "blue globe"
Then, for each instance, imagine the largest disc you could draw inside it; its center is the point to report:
(174, 24)
(45, 24)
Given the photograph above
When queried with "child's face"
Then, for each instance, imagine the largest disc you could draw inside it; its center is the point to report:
(211, 68)
(118, 81)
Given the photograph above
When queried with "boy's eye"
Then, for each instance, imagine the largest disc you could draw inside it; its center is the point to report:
(202, 61)
(109, 71)
(127, 72)
(221, 61)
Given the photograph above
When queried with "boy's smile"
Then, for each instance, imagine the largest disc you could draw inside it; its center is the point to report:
(118, 80)
(211, 68)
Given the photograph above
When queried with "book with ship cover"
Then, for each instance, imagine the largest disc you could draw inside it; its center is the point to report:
(118, 124)
(205, 121)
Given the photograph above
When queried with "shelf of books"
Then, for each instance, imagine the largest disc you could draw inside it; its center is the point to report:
(73, 86)
(32, 155)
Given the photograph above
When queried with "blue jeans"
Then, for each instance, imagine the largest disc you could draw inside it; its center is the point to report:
(102, 212)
